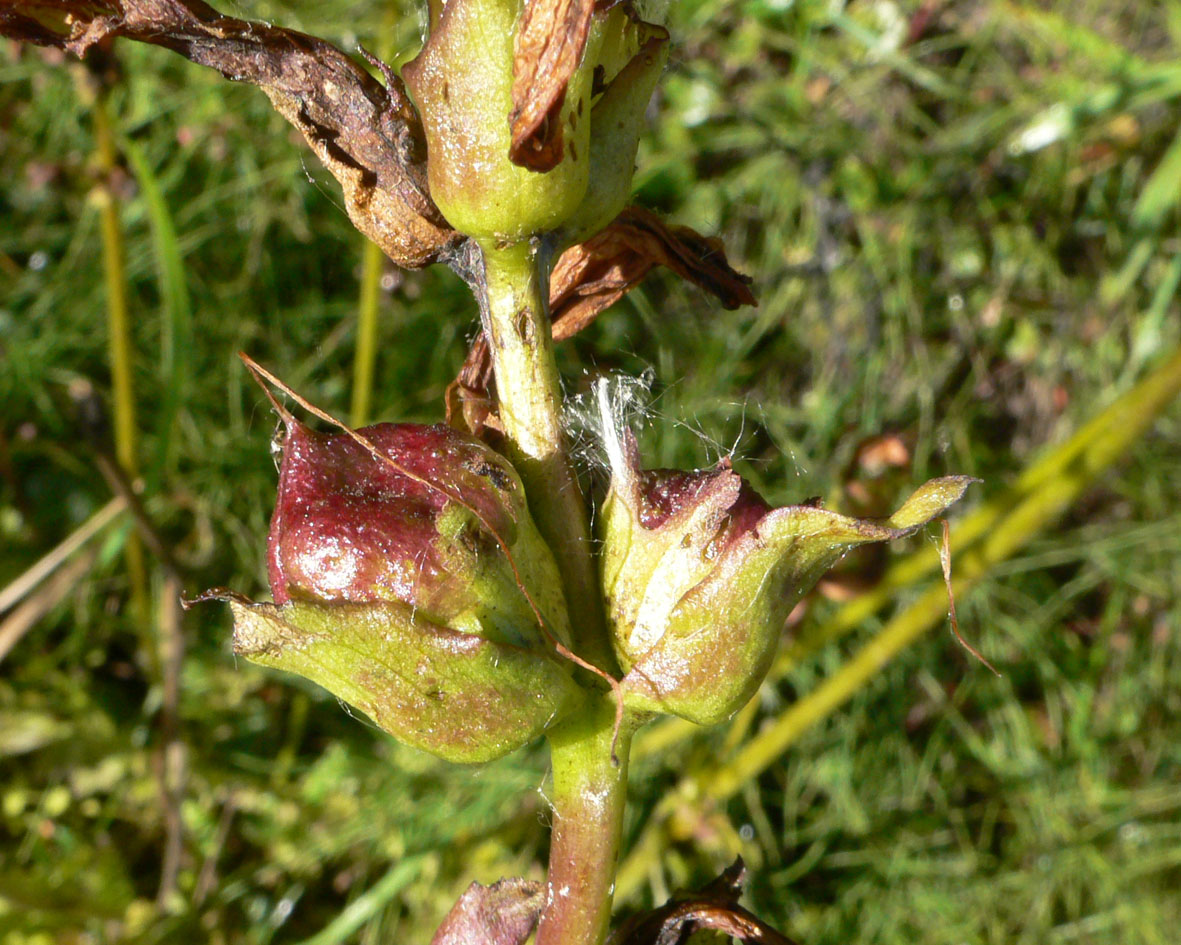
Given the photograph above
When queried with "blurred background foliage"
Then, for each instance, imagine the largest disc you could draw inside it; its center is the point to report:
(962, 220)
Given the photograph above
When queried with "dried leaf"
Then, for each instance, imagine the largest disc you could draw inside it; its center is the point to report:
(714, 907)
(367, 135)
(593, 275)
(550, 41)
(470, 398)
(504, 913)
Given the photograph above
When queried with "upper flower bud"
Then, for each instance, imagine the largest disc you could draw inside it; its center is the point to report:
(408, 579)
(700, 575)
(463, 86)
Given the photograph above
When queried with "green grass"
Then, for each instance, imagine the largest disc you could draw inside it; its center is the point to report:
(923, 270)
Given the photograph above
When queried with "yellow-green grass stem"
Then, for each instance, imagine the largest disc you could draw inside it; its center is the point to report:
(365, 357)
(369, 299)
(978, 523)
(119, 339)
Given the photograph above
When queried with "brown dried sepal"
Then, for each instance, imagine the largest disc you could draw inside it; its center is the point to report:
(471, 398)
(367, 135)
(504, 913)
(550, 41)
(713, 907)
(595, 274)
(590, 277)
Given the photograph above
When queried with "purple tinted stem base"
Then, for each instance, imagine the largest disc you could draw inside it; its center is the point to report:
(589, 795)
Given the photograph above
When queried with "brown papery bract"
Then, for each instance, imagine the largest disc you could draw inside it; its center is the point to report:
(504, 913)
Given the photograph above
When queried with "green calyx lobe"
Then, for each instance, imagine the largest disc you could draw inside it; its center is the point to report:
(457, 695)
(631, 57)
(700, 575)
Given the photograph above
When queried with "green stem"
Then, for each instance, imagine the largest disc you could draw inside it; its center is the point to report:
(514, 309)
(365, 360)
(119, 339)
(588, 796)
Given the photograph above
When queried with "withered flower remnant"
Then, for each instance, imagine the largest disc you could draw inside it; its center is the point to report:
(426, 531)
(700, 575)
(409, 580)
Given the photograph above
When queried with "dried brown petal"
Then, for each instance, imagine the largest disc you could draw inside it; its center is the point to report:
(550, 41)
(367, 135)
(504, 913)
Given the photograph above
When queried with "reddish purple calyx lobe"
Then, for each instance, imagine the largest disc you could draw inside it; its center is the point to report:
(664, 493)
(350, 527)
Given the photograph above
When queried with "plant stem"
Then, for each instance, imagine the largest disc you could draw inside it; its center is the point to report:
(372, 264)
(365, 359)
(119, 339)
(515, 313)
(588, 796)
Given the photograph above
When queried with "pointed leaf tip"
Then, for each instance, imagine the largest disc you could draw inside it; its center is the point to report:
(929, 501)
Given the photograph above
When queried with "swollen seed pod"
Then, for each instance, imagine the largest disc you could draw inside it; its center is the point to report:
(700, 575)
(409, 580)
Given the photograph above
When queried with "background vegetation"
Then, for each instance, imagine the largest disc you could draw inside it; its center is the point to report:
(962, 221)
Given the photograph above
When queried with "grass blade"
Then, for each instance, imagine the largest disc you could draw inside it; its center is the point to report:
(176, 337)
